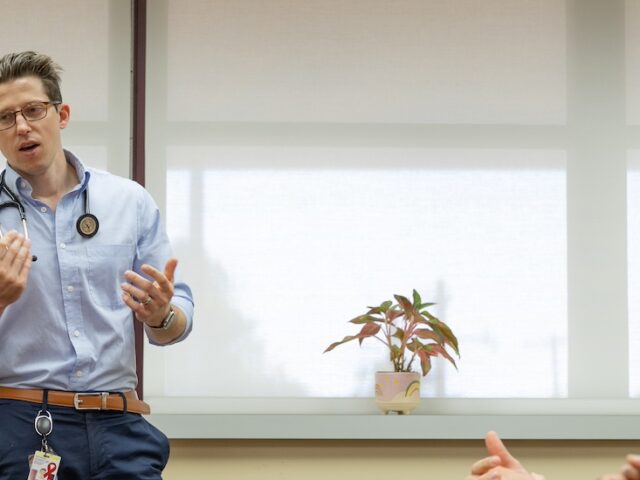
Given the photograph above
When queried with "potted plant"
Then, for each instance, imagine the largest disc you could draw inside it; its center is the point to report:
(411, 334)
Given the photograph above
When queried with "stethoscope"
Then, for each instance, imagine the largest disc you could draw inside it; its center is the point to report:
(87, 224)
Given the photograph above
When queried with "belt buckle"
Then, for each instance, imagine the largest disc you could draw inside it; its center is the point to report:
(77, 400)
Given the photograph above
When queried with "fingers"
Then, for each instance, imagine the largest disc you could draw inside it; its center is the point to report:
(502, 473)
(630, 472)
(150, 298)
(141, 288)
(15, 264)
(495, 447)
(634, 460)
(162, 281)
(496, 473)
(492, 475)
(170, 269)
(483, 466)
(14, 248)
(142, 293)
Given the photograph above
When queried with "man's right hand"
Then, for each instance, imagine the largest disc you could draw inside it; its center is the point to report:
(15, 264)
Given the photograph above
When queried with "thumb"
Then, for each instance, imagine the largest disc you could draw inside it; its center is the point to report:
(497, 448)
(170, 268)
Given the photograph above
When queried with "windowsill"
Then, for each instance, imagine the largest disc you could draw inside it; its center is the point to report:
(561, 419)
(261, 426)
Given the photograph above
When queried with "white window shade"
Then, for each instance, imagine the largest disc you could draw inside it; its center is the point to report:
(489, 62)
(95, 56)
(337, 153)
(288, 255)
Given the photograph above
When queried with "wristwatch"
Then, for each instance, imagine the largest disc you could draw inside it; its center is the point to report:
(166, 321)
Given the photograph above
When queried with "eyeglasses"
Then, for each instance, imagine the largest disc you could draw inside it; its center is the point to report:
(32, 112)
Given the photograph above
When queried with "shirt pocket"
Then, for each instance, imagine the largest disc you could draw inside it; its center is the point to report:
(106, 267)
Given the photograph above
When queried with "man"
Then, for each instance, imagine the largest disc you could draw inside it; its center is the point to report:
(501, 465)
(100, 255)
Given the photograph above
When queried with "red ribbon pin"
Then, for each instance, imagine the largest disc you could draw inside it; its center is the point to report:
(51, 470)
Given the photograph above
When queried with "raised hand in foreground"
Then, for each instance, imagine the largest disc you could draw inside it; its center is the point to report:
(501, 465)
(629, 471)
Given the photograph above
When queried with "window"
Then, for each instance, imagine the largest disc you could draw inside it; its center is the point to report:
(338, 153)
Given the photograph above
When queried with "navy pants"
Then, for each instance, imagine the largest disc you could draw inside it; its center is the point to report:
(93, 444)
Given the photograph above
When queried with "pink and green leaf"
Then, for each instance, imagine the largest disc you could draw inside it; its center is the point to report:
(425, 362)
(346, 339)
(423, 306)
(404, 303)
(416, 299)
(434, 349)
(392, 314)
(395, 352)
(365, 319)
(399, 333)
(414, 345)
(427, 334)
(446, 332)
(368, 330)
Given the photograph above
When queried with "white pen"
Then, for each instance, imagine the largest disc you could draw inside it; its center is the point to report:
(33, 257)
(2, 238)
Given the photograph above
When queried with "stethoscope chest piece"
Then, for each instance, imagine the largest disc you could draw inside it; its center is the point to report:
(87, 225)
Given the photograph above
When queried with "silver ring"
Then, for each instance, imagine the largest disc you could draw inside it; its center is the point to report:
(148, 301)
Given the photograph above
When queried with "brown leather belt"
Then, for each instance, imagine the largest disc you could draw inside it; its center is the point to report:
(80, 400)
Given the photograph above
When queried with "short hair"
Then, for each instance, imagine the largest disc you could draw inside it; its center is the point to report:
(27, 64)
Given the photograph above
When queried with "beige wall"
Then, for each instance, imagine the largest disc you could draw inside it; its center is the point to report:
(379, 459)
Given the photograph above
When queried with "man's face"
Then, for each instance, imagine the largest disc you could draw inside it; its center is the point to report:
(31, 147)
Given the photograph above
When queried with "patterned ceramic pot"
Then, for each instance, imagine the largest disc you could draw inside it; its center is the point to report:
(397, 391)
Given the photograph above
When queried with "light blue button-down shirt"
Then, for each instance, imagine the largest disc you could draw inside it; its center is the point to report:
(70, 329)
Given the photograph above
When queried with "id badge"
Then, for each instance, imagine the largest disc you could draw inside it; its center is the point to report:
(44, 466)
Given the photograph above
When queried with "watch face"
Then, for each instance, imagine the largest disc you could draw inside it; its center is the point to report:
(87, 225)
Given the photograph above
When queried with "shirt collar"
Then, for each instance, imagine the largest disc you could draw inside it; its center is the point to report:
(83, 173)
(15, 181)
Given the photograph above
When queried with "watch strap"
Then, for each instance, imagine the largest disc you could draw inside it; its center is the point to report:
(166, 321)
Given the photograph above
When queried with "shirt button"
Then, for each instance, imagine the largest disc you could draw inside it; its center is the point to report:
(76, 333)
(63, 245)
(23, 184)
(69, 289)
(79, 373)
(43, 209)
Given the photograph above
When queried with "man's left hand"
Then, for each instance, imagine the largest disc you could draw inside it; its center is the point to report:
(150, 300)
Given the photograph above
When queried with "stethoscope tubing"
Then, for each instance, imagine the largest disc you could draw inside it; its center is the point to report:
(87, 224)
(16, 203)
